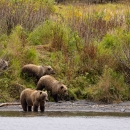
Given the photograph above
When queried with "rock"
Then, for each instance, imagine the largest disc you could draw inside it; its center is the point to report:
(122, 110)
(3, 64)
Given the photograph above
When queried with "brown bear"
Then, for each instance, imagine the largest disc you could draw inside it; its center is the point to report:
(35, 98)
(36, 71)
(51, 84)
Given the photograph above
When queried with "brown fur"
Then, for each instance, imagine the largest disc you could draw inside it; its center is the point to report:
(35, 98)
(37, 71)
(51, 84)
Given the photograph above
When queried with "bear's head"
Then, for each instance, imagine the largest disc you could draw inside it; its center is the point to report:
(63, 89)
(42, 96)
(48, 70)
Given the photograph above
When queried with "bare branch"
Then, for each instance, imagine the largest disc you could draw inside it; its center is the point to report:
(7, 104)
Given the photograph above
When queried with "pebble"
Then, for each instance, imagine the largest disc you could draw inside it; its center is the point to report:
(122, 110)
(77, 106)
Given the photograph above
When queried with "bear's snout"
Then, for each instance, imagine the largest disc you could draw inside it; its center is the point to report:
(66, 93)
(53, 72)
(46, 99)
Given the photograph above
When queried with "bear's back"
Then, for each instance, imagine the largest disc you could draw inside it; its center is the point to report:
(46, 82)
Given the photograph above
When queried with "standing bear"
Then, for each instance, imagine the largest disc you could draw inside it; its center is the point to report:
(35, 98)
(51, 84)
(36, 71)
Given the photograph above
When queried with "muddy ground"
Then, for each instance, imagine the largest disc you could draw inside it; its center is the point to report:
(77, 106)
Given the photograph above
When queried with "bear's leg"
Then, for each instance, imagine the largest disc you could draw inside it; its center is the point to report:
(35, 108)
(36, 79)
(55, 98)
(42, 106)
(24, 105)
(29, 108)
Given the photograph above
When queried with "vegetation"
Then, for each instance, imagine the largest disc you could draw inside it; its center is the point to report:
(87, 45)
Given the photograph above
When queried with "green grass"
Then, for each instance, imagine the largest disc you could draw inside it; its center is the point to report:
(87, 45)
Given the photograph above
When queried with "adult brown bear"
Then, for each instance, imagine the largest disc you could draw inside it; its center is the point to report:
(35, 98)
(51, 84)
(36, 71)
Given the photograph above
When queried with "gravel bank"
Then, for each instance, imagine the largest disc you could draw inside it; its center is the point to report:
(77, 106)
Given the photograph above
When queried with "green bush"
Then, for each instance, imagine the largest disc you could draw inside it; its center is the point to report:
(113, 40)
(42, 34)
(89, 51)
(111, 87)
(17, 53)
(58, 35)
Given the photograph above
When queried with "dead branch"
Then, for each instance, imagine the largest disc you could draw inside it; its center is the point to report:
(7, 104)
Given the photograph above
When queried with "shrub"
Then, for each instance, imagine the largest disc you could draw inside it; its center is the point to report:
(17, 53)
(42, 34)
(111, 87)
(123, 55)
(78, 41)
(59, 36)
(116, 46)
(25, 13)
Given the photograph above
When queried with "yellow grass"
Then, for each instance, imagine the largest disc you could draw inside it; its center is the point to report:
(107, 11)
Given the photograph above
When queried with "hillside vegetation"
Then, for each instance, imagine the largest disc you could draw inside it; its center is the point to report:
(87, 45)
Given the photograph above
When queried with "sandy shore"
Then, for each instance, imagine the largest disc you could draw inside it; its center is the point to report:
(77, 106)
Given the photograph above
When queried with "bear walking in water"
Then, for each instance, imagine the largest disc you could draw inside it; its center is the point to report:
(51, 84)
(35, 98)
(36, 71)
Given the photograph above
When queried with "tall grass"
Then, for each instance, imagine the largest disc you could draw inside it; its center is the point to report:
(87, 45)
(17, 54)
(28, 13)
(111, 87)
(101, 29)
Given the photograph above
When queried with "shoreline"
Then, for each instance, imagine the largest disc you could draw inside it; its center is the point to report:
(77, 106)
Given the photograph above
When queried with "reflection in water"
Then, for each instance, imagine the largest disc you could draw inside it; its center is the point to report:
(63, 121)
(59, 114)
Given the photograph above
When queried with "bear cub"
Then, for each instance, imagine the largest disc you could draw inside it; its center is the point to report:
(35, 98)
(36, 71)
(49, 83)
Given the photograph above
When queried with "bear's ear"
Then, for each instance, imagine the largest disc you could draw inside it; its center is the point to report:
(40, 92)
(49, 69)
(62, 87)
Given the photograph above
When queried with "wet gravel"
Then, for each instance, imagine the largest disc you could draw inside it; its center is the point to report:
(77, 106)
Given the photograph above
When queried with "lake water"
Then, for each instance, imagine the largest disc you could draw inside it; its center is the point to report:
(64, 121)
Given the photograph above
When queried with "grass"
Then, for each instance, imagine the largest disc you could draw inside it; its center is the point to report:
(111, 87)
(81, 42)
